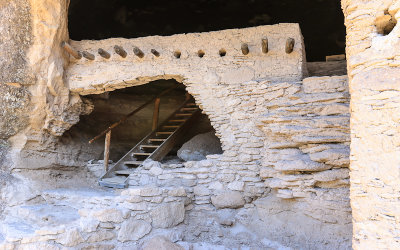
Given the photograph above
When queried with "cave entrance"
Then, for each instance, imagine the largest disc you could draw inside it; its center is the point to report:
(321, 22)
(176, 131)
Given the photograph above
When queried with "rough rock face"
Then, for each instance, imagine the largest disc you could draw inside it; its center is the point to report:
(14, 110)
(16, 38)
(199, 147)
(133, 230)
(168, 215)
(161, 243)
(373, 51)
(16, 30)
(228, 200)
(307, 126)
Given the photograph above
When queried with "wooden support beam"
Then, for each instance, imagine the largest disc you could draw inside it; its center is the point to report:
(201, 53)
(264, 45)
(107, 150)
(156, 114)
(71, 50)
(120, 51)
(177, 54)
(155, 52)
(289, 45)
(104, 53)
(138, 52)
(245, 49)
(88, 55)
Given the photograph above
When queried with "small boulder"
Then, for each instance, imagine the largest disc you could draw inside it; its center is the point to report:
(228, 200)
(161, 243)
(168, 215)
(201, 145)
(133, 229)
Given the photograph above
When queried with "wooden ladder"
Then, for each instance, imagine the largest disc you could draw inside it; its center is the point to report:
(155, 145)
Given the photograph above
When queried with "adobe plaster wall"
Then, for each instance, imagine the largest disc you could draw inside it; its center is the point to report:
(374, 73)
(83, 75)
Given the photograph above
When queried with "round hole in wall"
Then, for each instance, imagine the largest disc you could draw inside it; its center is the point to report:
(200, 53)
(177, 54)
(222, 52)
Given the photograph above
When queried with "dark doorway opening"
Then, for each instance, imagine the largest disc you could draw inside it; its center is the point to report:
(110, 107)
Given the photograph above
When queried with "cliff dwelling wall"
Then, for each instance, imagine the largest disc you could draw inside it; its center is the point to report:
(283, 176)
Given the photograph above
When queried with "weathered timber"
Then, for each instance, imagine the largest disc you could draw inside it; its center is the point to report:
(104, 53)
(107, 150)
(177, 54)
(88, 55)
(138, 52)
(120, 51)
(289, 45)
(245, 49)
(155, 52)
(156, 113)
(264, 45)
(71, 50)
(200, 53)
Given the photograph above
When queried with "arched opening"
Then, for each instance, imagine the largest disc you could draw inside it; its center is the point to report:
(108, 108)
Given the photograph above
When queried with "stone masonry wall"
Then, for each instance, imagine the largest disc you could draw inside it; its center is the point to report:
(285, 140)
(232, 67)
(236, 91)
(373, 52)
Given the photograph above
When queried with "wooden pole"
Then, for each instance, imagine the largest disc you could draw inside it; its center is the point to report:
(156, 114)
(289, 45)
(120, 51)
(187, 96)
(138, 52)
(155, 52)
(177, 54)
(245, 49)
(104, 53)
(264, 45)
(88, 55)
(71, 50)
(107, 150)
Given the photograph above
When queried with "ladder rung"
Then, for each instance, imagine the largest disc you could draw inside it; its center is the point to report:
(133, 162)
(177, 120)
(190, 104)
(183, 114)
(156, 139)
(124, 172)
(188, 109)
(164, 133)
(142, 154)
(171, 126)
(149, 146)
(115, 180)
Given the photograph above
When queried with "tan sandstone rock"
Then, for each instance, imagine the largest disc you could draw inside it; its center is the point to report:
(232, 199)
(133, 229)
(168, 215)
(161, 243)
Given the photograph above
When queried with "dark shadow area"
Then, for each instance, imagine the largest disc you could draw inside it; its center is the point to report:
(321, 21)
(110, 107)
